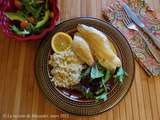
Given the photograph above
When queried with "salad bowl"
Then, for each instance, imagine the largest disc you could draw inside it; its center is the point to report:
(5, 22)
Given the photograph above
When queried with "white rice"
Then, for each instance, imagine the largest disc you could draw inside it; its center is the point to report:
(66, 69)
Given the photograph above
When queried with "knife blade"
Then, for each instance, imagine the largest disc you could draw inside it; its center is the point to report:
(138, 22)
(133, 16)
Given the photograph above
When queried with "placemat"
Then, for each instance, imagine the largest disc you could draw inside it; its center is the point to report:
(114, 12)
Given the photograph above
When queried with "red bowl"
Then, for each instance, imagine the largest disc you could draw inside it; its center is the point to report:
(8, 5)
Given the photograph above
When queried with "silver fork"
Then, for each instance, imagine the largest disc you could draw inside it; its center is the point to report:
(130, 25)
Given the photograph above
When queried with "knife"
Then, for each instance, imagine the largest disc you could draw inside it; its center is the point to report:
(138, 22)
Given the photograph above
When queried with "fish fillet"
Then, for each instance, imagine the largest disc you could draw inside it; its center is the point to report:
(100, 46)
(82, 49)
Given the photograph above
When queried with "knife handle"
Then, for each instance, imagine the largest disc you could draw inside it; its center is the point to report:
(153, 37)
(152, 50)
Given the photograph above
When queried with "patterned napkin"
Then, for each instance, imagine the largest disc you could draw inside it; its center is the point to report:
(114, 14)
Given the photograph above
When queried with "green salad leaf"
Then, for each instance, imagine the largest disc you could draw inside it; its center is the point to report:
(43, 21)
(120, 74)
(18, 31)
(96, 73)
(35, 12)
(89, 94)
(15, 16)
(22, 14)
(46, 5)
(102, 85)
(102, 96)
(32, 8)
(99, 91)
(107, 76)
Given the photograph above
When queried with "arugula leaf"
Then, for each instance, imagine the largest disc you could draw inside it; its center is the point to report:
(36, 3)
(33, 2)
(37, 14)
(89, 94)
(22, 13)
(102, 96)
(107, 76)
(99, 91)
(96, 73)
(120, 74)
(31, 9)
(18, 31)
(30, 28)
(104, 85)
(46, 5)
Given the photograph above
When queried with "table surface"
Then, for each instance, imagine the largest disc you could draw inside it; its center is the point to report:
(20, 95)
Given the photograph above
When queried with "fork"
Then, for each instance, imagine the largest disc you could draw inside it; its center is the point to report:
(130, 25)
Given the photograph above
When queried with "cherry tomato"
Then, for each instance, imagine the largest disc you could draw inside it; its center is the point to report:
(51, 14)
(24, 24)
(18, 4)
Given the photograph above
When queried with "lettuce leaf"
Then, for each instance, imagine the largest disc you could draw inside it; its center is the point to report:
(96, 73)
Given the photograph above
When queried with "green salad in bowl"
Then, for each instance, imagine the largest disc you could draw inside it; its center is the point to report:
(30, 17)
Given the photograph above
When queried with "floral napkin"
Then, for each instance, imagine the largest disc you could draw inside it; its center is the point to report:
(114, 12)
